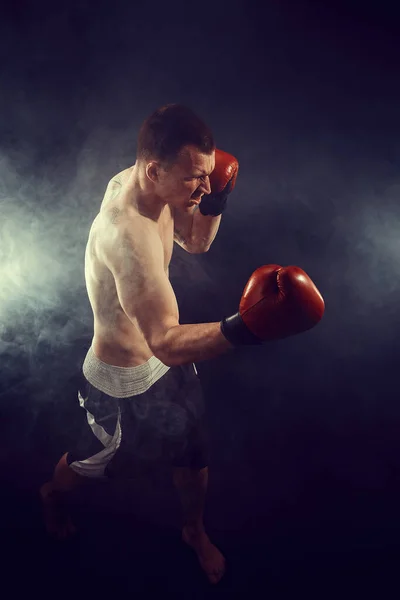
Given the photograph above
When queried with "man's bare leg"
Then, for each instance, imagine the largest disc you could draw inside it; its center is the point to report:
(57, 521)
(192, 488)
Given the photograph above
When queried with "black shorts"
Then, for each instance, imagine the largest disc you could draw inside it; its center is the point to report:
(128, 437)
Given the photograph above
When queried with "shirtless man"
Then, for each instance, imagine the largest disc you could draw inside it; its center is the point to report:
(140, 391)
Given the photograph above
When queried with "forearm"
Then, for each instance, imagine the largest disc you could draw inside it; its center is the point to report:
(192, 343)
(203, 232)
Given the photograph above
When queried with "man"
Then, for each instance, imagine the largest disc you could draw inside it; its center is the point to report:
(140, 392)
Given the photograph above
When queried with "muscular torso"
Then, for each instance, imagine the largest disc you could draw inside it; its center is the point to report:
(117, 340)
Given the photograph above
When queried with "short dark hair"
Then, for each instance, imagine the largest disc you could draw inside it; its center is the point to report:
(167, 130)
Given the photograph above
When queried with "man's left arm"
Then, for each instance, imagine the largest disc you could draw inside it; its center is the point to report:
(196, 231)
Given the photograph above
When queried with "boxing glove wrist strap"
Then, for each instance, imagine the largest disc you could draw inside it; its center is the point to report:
(215, 204)
(237, 333)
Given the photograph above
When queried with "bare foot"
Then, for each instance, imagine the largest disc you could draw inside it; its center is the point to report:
(57, 522)
(210, 558)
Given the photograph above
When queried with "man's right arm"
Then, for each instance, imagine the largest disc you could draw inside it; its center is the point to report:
(193, 343)
(147, 298)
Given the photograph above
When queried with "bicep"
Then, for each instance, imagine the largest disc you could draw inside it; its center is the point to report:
(178, 239)
(183, 221)
(144, 290)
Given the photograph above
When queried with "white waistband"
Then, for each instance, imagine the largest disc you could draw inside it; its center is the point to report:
(122, 382)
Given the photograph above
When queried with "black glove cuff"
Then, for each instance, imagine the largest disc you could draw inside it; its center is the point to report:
(213, 205)
(237, 333)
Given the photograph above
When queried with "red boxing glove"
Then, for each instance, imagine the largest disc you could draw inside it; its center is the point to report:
(222, 182)
(277, 302)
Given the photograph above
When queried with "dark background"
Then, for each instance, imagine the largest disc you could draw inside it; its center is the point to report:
(304, 480)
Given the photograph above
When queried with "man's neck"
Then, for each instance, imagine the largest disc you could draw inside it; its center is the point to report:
(143, 197)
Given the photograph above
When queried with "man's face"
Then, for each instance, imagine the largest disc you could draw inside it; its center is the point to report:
(184, 184)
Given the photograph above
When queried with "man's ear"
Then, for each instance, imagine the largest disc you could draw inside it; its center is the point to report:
(152, 171)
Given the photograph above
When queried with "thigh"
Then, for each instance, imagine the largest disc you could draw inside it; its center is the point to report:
(99, 437)
(161, 425)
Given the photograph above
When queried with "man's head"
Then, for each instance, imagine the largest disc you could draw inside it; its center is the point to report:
(177, 151)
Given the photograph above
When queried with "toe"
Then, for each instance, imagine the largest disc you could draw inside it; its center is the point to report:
(216, 576)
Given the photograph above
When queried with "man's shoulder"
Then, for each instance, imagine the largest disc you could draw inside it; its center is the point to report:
(131, 240)
(114, 187)
(125, 227)
(121, 177)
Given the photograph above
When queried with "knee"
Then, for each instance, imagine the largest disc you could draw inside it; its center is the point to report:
(65, 479)
(186, 475)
